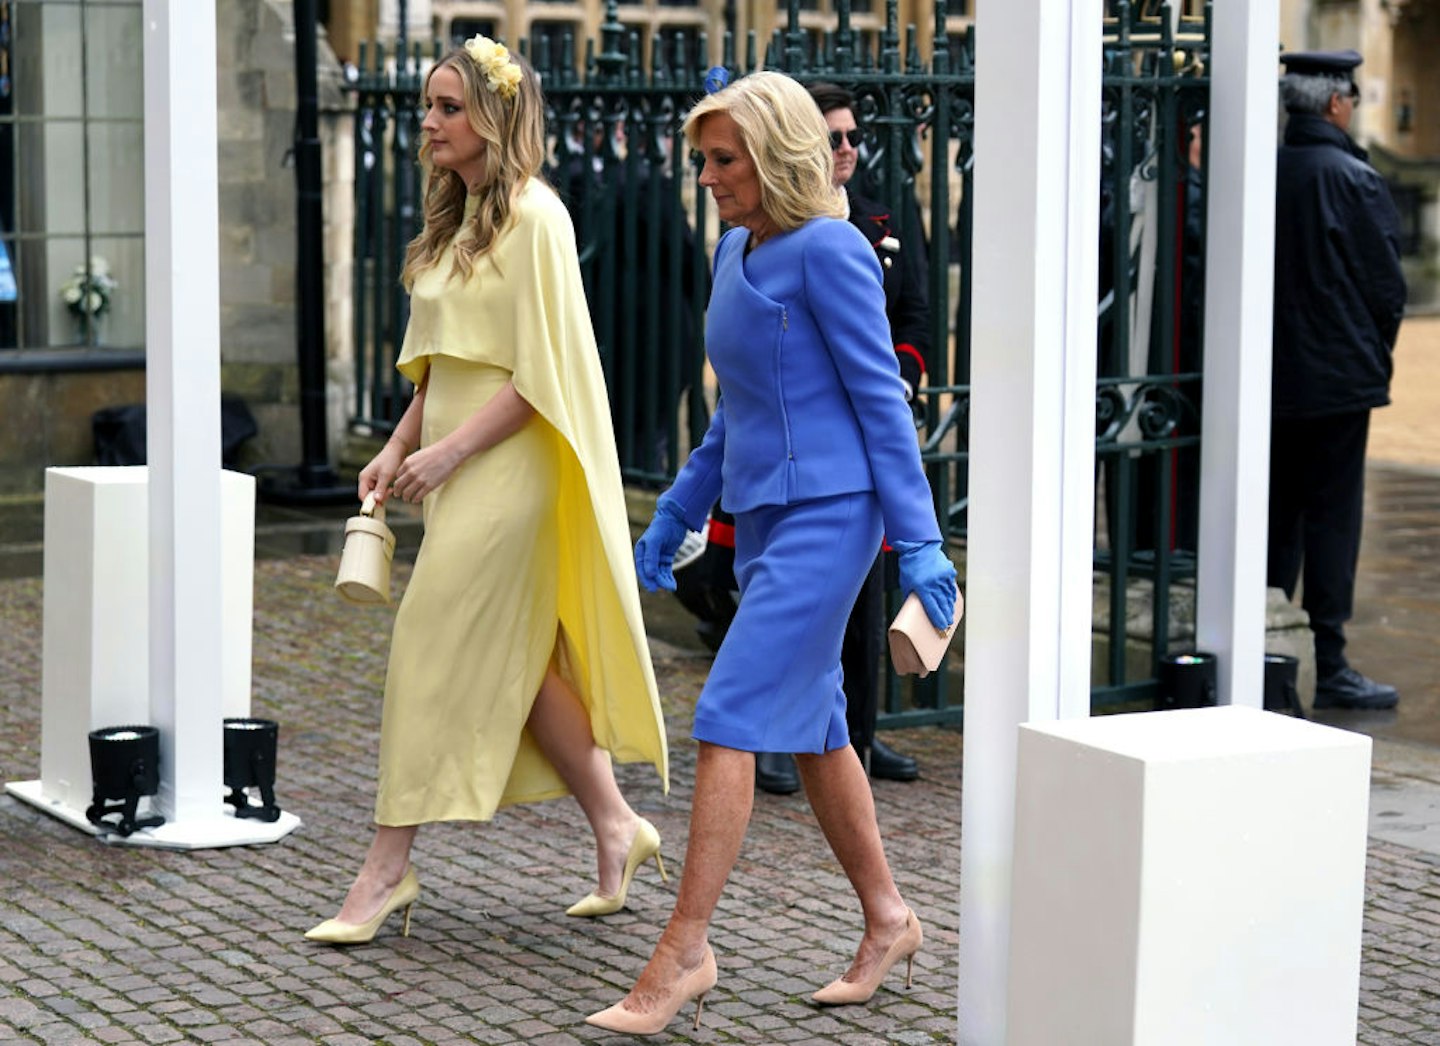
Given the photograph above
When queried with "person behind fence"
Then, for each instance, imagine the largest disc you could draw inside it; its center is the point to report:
(518, 664)
(813, 448)
(907, 308)
(594, 187)
(1339, 298)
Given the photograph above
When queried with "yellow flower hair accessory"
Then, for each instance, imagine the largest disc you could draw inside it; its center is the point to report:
(501, 74)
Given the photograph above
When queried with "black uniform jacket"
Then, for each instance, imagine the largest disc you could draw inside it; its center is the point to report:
(1339, 291)
(907, 302)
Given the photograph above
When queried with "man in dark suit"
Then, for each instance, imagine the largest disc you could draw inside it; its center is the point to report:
(1339, 297)
(907, 307)
(594, 181)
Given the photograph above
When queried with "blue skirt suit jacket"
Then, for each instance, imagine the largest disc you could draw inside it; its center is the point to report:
(812, 447)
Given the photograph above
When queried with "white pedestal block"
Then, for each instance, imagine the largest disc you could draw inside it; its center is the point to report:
(1184, 877)
(96, 638)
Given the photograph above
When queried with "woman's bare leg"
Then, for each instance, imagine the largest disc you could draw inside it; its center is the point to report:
(839, 793)
(561, 728)
(720, 813)
(384, 867)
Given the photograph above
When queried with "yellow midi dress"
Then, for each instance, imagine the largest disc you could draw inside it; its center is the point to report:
(526, 558)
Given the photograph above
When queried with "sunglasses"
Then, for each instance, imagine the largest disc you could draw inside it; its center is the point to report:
(853, 136)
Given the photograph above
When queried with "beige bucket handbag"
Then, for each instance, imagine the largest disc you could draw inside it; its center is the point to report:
(365, 560)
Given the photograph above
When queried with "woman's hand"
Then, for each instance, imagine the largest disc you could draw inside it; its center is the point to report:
(655, 551)
(426, 469)
(379, 474)
(926, 571)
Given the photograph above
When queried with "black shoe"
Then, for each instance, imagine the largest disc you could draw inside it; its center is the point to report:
(775, 773)
(889, 765)
(1347, 688)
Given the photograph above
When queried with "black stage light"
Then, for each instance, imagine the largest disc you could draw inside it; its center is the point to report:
(250, 746)
(125, 766)
(1186, 680)
(1281, 674)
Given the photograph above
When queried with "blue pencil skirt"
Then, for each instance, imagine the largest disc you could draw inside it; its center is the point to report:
(776, 682)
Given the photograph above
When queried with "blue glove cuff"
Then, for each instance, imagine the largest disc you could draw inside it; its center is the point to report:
(670, 508)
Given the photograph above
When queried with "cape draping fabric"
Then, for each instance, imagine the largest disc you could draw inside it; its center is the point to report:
(524, 309)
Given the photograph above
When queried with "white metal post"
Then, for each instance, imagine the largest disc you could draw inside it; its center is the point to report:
(182, 391)
(1032, 437)
(1239, 284)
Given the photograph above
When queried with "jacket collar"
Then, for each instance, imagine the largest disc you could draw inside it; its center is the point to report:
(867, 216)
(1308, 129)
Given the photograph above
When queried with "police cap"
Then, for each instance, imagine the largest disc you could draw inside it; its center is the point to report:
(1321, 63)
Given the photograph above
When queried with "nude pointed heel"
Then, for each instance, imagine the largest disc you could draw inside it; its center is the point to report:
(694, 985)
(645, 845)
(841, 992)
(333, 931)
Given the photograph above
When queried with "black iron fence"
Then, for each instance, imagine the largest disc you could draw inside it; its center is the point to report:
(644, 229)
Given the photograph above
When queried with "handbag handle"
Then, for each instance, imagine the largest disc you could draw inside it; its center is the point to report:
(373, 507)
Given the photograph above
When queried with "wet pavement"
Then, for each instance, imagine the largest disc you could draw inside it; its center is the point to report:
(128, 945)
(1395, 634)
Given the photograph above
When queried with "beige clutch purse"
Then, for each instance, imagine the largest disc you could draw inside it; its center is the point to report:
(916, 645)
(365, 560)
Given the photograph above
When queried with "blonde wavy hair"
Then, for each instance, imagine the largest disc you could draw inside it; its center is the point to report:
(513, 130)
(787, 140)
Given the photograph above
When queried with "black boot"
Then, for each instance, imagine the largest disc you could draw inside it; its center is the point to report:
(1347, 688)
(889, 765)
(775, 773)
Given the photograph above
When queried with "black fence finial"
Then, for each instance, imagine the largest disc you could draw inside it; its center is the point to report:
(610, 63)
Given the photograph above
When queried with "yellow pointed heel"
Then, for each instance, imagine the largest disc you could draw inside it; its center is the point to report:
(644, 846)
(841, 992)
(694, 985)
(333, 931)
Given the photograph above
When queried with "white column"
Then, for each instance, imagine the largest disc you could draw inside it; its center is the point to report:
(1235, 422)
(1032, 438)
(182, 390)
(196, 675)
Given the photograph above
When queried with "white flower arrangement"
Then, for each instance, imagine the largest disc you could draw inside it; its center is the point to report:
(501, 74)
(87, 292)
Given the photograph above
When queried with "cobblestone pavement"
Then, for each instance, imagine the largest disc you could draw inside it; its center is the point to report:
(118, 945)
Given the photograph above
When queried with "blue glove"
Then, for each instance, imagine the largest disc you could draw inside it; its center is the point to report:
(928, 572)
(655, 551)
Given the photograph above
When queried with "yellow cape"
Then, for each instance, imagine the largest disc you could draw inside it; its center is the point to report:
(524, 309)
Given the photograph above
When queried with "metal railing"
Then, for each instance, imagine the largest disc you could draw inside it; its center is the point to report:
(643, 229)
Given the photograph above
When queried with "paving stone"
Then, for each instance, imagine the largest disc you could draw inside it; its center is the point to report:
(128, 945)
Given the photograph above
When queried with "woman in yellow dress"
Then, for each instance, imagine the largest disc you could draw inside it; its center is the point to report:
(519, 665)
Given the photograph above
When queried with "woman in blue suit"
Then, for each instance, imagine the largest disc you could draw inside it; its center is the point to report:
(813, 450)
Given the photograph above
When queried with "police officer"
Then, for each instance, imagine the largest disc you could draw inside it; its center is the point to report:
(1339, 297)
(907, 307)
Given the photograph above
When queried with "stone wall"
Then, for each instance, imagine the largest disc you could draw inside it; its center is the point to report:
(1287, 630)
(258, 310)
(47, 420)
(48, 410)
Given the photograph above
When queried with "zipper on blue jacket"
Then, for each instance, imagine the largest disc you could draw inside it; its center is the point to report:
(789, 446)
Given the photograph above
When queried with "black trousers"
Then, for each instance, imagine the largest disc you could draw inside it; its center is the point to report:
(860, 655)
(1317, 493)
